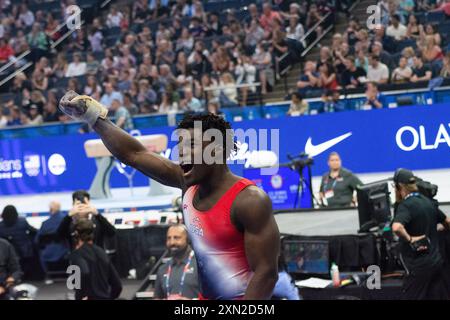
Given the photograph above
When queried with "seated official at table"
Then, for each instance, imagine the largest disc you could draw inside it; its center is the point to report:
(338, 185)
(177, 279)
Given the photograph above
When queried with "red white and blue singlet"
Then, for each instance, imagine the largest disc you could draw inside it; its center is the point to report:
(223, 268)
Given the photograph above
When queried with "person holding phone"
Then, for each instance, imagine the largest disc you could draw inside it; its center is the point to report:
(415, 223)
(83, 209)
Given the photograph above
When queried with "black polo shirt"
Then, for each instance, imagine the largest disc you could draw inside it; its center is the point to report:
(339, 191)
(421, 72)
(191, 284)
(420, 217)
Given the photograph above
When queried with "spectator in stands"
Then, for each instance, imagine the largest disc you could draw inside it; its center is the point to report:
(413, 28)
(353, 76)
(403, 73)
(36, 99)
(20, 234)
(327, 77)
(331, 102)
(406, 8)
(279, 44)
(6, 51)
(51, 113)
(76, 67)
(191, 103)
(10, 271)
(95, 39)
(92, 65)
(164, 53)
(129, 104)
(60, 66)
(14, 117)
(79, 42)
(34, 115)
(177, 279)
(298, 106)
(146, 95)
(374, 99)
(295, 29)
(309, 79)
(269, 18)
(338, 186)
(109, 95)
(99, 278)
(122, 116)
(52, 248)
(445, 7)
(72, 84)
(445, 72)
(245, 74)
(214, 24)
(325, 56)
(429, 30)
(254, 33)
(114, 18)
(83, 209)
(396, 30)
(431, 52)
(408, 53)
(26, 17)
(385, 57)
(37, 38)
(39, 81)
(221, 61)
(167, 104)
(228, 91)
(362, 60)
(421, 71)
(313, 17)
(262, 59)
(378, 72)
(4, 117)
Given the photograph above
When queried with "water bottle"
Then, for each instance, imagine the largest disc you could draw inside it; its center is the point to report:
(334, 272)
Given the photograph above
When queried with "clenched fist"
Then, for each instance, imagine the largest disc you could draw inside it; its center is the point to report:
(81, 107)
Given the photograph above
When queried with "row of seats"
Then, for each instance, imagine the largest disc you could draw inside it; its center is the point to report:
(235, 114)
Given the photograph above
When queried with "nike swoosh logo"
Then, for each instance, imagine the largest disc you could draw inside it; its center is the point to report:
(314, 150)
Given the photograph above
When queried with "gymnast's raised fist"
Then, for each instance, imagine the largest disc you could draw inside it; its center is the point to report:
(82, 107)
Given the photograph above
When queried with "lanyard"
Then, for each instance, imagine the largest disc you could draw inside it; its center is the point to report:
(413, 194)
(334, 183)
(183, 276)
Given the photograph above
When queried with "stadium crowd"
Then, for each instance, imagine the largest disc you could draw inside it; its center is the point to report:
(169, 56)
(408, 46)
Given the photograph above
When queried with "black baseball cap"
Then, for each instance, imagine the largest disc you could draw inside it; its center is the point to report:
(404, 176)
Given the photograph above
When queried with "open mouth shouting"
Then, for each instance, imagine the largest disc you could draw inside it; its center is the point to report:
(187, 168)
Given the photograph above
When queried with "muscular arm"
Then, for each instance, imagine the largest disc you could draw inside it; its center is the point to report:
(131, 152)
(122, 145)
(253, 210)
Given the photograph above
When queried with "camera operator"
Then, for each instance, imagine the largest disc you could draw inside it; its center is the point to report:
(338, 185)
(83, 209)
(415, 223)
(99, 278)
(10, 272)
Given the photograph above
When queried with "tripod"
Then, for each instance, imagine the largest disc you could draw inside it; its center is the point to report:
(298, 165)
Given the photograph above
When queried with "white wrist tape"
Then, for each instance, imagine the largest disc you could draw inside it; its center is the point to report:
(94, 109)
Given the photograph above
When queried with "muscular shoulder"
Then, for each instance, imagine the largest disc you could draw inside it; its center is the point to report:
(251, 205)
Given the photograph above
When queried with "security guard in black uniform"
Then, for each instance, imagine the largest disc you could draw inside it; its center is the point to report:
(415, 223)
(338, 185)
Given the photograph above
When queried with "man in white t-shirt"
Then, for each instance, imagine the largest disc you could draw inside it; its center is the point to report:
(378, 72)
(396, 30)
